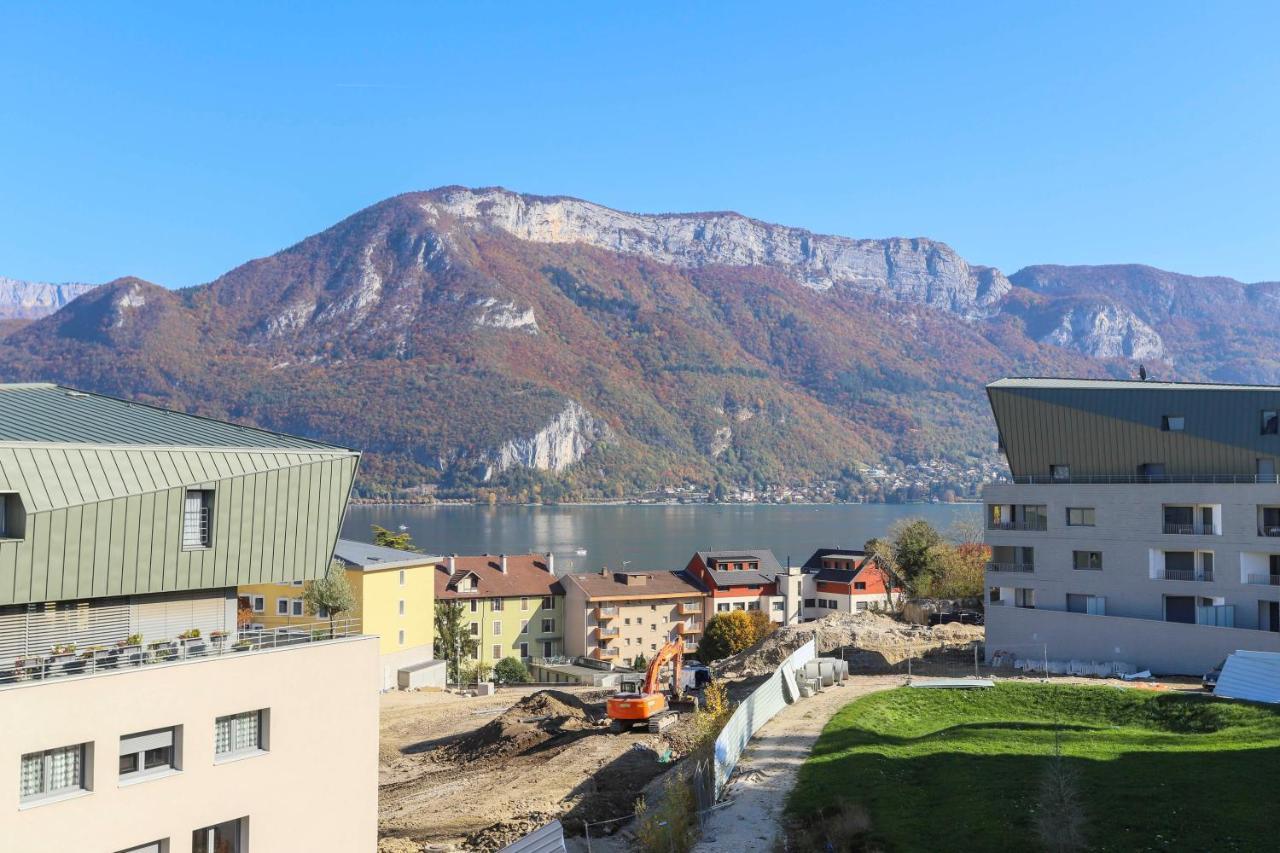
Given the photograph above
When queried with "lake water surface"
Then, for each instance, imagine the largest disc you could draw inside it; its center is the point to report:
(644, 536)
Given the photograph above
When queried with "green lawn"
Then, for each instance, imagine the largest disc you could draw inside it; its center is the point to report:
(960, 769)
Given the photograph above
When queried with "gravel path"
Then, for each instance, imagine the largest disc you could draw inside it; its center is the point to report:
(767, 771)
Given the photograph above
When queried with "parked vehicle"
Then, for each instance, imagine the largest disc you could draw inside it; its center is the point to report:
(1210, 679)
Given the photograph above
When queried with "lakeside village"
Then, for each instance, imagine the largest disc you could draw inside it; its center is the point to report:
(182, 633)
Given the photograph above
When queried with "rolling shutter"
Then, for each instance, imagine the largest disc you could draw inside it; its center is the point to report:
(165, 617)
(34, 629)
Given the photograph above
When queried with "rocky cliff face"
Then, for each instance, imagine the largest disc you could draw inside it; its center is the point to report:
(1106, 331)
(907, 270)
(31, 299)
(561, 443)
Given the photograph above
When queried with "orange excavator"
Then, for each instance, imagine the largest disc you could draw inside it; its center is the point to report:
(650, 705)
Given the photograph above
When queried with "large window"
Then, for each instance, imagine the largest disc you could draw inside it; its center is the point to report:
(495, 604)
(53, 773)
(1086, 560)
(197, 519)
(150, 753)
(228, 837)
(548, 626)
(1270, 422)
(240, 734)
(1172, 423)
(11, 516)
(1080, 516)
(548, 602)
(1094, 605)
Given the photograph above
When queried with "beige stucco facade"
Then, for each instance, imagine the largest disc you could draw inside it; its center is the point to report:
(618, 626)
(313, 788)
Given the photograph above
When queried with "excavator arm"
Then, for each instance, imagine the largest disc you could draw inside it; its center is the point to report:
(672, 651)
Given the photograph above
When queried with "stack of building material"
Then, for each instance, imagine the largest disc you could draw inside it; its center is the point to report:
(1253, 676)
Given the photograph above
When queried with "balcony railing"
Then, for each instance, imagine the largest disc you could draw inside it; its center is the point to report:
(1268, 530)
(1011, 567)
(606, 612)
(690, 647)
(607, 632)
(1039, 525)
(688, 627)
(1200, 575)
(1191, 529)
(611, 652)
(690, 607)
(1264, 580)
(1144, 479)
(70, 661)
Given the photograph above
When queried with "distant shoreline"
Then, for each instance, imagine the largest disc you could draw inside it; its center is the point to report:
(637, 503)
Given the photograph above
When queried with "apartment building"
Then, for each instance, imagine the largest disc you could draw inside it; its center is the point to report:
(616, 616)
(1142, 522)
(841, 580)
(739, 580)
(514, 603)
(395, 602)
(137, 715)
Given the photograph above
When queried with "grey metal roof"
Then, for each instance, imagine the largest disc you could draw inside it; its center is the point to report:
(1250, 675)
(40, 413)
(362, 555)
(769, 567)
(815, 559)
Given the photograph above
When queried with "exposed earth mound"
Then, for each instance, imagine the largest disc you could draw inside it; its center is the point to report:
(527, 725)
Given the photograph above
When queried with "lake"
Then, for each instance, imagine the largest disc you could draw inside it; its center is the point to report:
(645, 536)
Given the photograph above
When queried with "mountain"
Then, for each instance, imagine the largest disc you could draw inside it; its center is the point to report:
(477, 341)
(25, 300)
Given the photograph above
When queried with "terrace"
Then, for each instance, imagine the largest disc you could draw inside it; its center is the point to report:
(67, 661)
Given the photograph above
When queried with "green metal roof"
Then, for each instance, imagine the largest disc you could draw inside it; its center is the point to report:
(54, 415)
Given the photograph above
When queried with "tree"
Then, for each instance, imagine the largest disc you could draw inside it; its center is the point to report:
(913, 542)
(400, 541)
(511, 670)
(639, 664)
(453, 641)
(330, 595)
(726, 634)
(885, 565)
(958, 571)
(761, 625)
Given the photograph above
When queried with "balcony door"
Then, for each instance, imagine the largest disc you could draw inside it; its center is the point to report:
(227, 837)
(1180, 608)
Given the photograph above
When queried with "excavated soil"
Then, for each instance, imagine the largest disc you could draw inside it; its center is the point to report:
(885, 640)
(527, 725)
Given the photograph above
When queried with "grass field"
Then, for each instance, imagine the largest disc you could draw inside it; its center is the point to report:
(961, 769)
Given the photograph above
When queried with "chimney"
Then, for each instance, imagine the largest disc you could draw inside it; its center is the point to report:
(551, 564)
(453, 563)
(503, 562)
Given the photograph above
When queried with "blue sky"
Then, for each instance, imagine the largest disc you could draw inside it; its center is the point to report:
(143, 139)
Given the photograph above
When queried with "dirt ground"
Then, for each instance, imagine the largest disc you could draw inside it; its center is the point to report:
(462, 773)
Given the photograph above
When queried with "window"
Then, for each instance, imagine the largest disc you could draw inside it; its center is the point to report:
(1266, 469)
(653, 607)
(282, 607)
(861, 605)
(753, 605)
(1060, 472)
(475, 605)
(721, 607)
(495, 604)
(1080, 516)
(653, 647)
(1172, 423)
(12, 518)
(497, 652)
(402, 577)
(810, 602)
(197, 511)
(497, 628)
(524, 602)
(53, 773)
(238, 735)
(228, 837)
(475, 629)
(296, 606)
(402, 607)
(548, 626)
(859, 585)
(548, 648)
(547, 602)
(1086, 560)
(1023, 597)
(467, 584)
(1152, 470)
(1270, 422)
(524, 626)
(146, 754)
(994, 596)
(258, 603)
(738, 605)
(295, 583)
(524, 650)
(778, 605)
(475, 653)
(1094, 605)
(400, 637)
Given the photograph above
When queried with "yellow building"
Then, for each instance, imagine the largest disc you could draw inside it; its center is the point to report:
(395, 600)
(513, 604)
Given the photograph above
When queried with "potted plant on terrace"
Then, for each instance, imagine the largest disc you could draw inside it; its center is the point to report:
(130, 648)
(162, 650)
(218, 638)
(61, 656)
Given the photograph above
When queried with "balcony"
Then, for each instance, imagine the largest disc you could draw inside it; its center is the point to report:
(605, 654)
(607, 611)
(690, 608)
(1033, 524)
(1200, 576)
(1190, 529)
(1263, 580)
(690, 648)
(606, 633)
(68, 661)
(1144, 479)
(1011, 567)
(688, 627)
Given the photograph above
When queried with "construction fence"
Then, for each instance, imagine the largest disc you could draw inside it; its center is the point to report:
(754, 711)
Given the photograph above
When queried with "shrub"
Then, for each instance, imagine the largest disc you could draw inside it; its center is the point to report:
(670, 828)
(729, 633)
(511, 670)
(474, 672)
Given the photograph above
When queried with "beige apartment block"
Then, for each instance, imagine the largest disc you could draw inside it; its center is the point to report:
(303, 744)
(616, 616)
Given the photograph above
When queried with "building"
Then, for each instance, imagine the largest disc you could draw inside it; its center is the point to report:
(1142, 523)
(137, 715)
(514, 603)
(615, 616)
(739, 580)
(395, 601)
(841, 580)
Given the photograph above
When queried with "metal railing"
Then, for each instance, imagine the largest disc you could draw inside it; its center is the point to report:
(1201, 575)
(1037, 525)
(1145, 479)
(606, 612)
(1264, 580)
(1191, 529)
(688, 607)
(611, 652)
(70, 661)
(605, 631)
(1010, 567)
(1268, 530)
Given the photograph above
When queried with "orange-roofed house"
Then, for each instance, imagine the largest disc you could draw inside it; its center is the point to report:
(617, 616)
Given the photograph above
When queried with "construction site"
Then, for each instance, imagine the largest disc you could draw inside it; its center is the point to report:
(461, 772)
